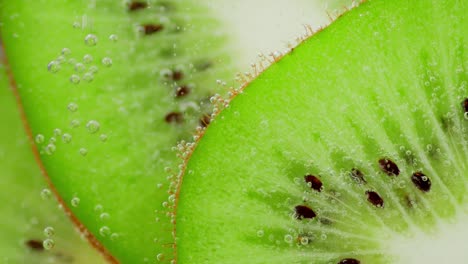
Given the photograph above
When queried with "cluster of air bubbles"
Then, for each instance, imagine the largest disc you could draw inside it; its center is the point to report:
(75, 201)
(83, 70)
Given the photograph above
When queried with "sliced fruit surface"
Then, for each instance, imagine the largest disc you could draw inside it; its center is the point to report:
(33, 228)
(350, 149)
(108, 87)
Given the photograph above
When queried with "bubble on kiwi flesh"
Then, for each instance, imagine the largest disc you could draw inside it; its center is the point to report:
(123, 82)
(373, 107)
(30, 214)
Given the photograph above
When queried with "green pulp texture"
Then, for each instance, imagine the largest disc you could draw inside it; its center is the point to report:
(385, 81)
(28, 207)
(98, 82)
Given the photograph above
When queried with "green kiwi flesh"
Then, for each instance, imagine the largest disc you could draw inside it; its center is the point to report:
(28, 209)
(108, 87)
(352, 148)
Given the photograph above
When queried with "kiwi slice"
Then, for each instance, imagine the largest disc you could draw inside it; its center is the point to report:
(350, 149)
(108, 88)
(33, 228)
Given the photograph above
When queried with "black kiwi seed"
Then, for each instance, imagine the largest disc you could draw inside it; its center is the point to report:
(314, 182)
(389, 167)
(35, 244)
(349, 261)
(182, 91)
(358, 176)
(177, 75)
(374, 198)
(137, 5)
(149, 29)
(421, 181)
(174, 117)
(205, 120)
(465, 105)
(303, 211)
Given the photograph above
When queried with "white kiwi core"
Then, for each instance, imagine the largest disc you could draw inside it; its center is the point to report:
(446, 242)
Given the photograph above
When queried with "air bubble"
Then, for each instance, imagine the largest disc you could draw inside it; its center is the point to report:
(39, 138)
(72, 107)
(66, 138)
(60, 59)
(76, 24)
(46, 194)
(52, 140)
(53, 66)
(88, 77)
(466, 115)
(98, 208)
(165, 73)
(323, 236)
(48, 244)
(104, 231)
(113, 37)
(106, 61)
(75, 79)
(93, 126)
(288, 239)
(93, 69)
(49, 231)
(304, 240)
(87, 58)
(57, 132)
(80, 67)
(83, 152)
(50, 149)
(75, 201)
(160, 257)
(114, 236)
(65, 51)
(260, 233)
(91, 40)
(104, 216)
(75, 123)
(103, 137)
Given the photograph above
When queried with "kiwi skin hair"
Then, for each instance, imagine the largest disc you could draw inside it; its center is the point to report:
(352, 148)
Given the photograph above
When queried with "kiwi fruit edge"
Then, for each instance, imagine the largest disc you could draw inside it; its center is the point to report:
(107, 88)
(352, 148)
(34, 229)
